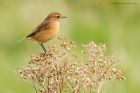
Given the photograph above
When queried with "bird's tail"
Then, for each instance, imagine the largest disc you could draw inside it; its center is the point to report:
(21, 40)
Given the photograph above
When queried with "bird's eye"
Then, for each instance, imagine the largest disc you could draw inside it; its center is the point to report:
(58, 16)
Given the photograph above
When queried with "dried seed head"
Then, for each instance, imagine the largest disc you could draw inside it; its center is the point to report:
(59, 70)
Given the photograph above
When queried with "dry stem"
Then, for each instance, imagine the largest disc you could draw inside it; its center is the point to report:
(58, 71)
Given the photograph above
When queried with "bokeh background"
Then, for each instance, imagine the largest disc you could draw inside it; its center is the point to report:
(101, 21)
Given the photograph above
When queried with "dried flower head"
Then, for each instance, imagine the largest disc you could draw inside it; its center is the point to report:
(58, 71)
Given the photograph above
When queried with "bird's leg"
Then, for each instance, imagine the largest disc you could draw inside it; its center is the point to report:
(42, 46)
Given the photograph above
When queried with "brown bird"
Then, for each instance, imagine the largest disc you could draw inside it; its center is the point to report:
(47, 29)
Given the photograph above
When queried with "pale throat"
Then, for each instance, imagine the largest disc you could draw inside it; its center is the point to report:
(56, 26)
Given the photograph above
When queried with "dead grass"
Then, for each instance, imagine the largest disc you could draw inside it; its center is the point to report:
(60, 70)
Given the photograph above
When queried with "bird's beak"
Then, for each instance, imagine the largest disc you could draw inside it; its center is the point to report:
(64, 17)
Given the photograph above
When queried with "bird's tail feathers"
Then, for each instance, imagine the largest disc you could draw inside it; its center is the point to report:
(21, 40)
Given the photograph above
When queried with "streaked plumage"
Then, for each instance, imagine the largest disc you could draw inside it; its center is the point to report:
(47, 29)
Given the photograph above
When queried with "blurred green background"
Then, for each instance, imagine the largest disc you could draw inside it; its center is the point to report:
(116, 25)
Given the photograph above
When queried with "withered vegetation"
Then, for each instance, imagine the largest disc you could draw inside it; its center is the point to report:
(60, 70)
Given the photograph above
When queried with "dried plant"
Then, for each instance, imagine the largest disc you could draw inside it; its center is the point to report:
(59, 70)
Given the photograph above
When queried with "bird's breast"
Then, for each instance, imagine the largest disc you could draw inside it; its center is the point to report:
(49, 33)
(55, 27)
(53, 30)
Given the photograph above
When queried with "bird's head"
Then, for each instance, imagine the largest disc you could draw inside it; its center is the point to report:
(54, 16)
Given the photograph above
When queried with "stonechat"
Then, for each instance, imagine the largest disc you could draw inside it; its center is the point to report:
(47, 29)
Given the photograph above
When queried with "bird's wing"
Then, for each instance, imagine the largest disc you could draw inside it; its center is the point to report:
(43, 26)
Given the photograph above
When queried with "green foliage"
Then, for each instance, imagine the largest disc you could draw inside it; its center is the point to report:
(116, 25)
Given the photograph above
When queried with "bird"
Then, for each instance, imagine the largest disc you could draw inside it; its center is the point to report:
(47, 30)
